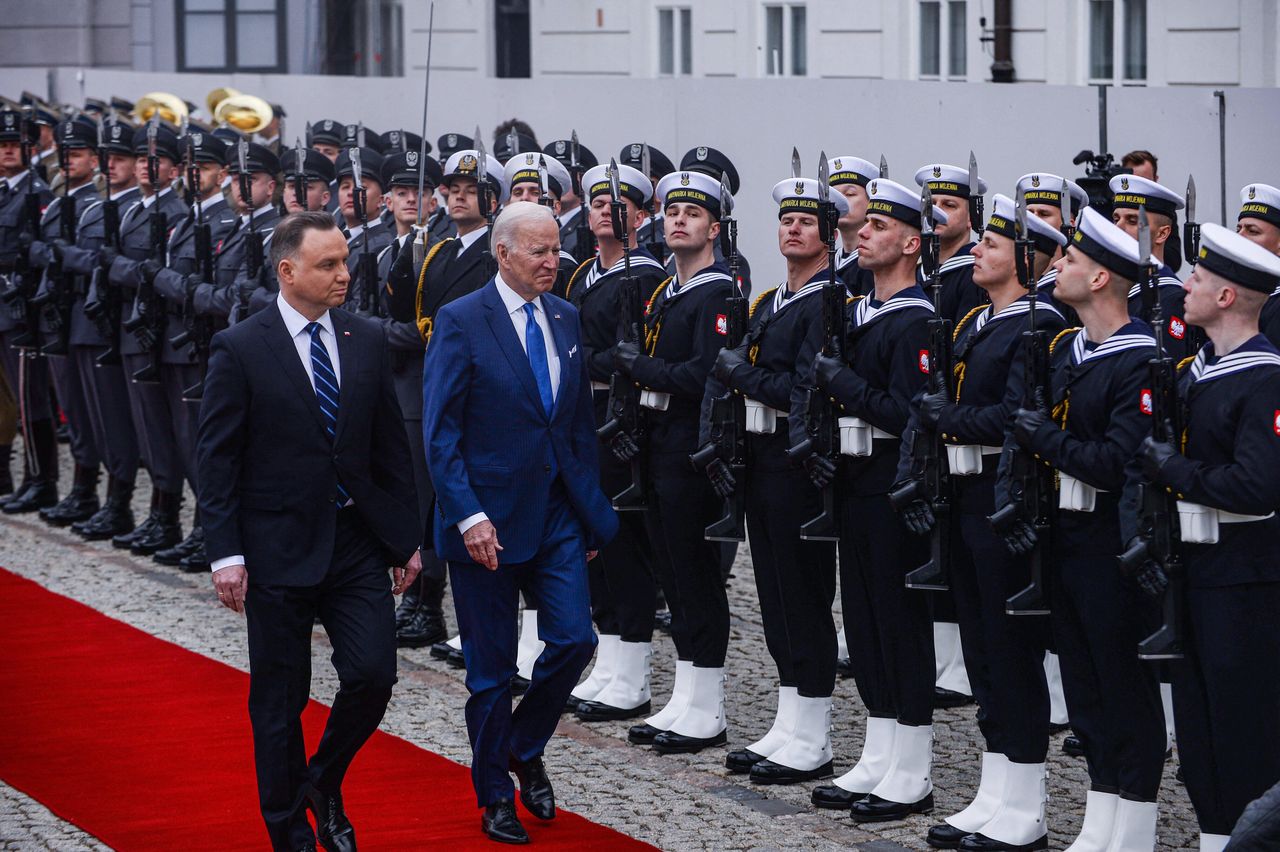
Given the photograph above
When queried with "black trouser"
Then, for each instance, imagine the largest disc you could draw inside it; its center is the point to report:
(887, 626)
(681, 505)
(1226, 700)
(75, 406)
(110, 417)
(623, 590)
(1113, 698)
(355, 606)
(1004, 654)
(184, 416)
(795, 579)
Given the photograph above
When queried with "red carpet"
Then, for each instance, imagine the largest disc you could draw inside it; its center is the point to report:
(147, 746)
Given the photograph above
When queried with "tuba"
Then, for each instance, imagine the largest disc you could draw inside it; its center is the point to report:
(246, 113)
(171, 108)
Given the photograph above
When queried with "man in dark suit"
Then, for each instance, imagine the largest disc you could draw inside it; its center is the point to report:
(306, 526)
(511, 446)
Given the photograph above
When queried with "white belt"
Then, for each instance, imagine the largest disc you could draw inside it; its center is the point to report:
(966, 459)
(656, 400)
(761, 419)
(595, 386)
(1076, 496)
(856, 436)
(1198, 524)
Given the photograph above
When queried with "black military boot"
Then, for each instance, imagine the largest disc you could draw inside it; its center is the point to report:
(114, 518)
(41, 490)
(426, 625)
(125, 540)
(168, 529)
(196, 562)
(409, 603)
(6, 477)
(180, 551)
(81, 502)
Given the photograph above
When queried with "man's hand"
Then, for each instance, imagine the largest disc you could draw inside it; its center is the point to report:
(1154, 455)
(149, 269)
(482, 544)
(917, 512)
(1026, 423)
(1148, 576)
(726, 362)
(821, 470)
(623, 446)
(231, 583)
(106, 256)
(930, 408)
(625, 356)
(403, 577)
(825, 370)
(722, 480)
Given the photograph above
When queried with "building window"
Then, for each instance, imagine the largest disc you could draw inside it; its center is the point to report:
(1135, 39)
(675, 42)
(512, 41)
(786, 42)
(930, 38)
(1101, 39)
(1118, 39)
(957, 56)
(231, 35)
(363, 39)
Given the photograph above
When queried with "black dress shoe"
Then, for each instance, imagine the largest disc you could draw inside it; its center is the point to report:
(872, 808)
(1073, 746)
(669, 742)
(945, 836)
(594, 711)
(333, 829)
(643, 734)
(833, 798)
(982, 843)
(424, 627)
(947, 698)
(456, 658)
(844, 667)
(500, 823)
(535, 787)
(740, 761)
(768, 772)
(519, 685)
(441, 651)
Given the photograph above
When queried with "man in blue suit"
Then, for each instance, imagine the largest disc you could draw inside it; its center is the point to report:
(511, 446)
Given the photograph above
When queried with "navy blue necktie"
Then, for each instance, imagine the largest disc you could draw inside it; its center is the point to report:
(536, 347)
(326, 383)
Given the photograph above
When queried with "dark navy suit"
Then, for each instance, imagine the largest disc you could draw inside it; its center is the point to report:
(492, 448)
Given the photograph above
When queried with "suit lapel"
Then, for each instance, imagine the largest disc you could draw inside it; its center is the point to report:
(560, 332)
(281, 345)
(505, 334)
(347, 352)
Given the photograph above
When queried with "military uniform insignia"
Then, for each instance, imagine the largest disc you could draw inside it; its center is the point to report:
(701, 153)
(452, 139)
(1177, 328)
(800, 187)
(197, 139)
(873, 187)
(937, 171)
(635, 151)
(1124, 184)
(838, 165)
(684, 178)
(1146, 404)
(528, 159)
(1252, 192)
(1035, 180)
(722, 324)
(411, 159)
(560, 147)
(468, 163)
(922, 361)
(1275, 422)
(327, 124)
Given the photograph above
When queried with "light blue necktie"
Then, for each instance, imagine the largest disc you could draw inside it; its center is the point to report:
(537, 350)
(326, 382)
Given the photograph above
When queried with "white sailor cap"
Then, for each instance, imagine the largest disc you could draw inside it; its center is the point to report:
(1260, 201)
(1131, 192)
(892, 199)
(523, 168)
(800, 195)
(690, 188)
(851, 170)
(1238, 259)
(1046, 238)
(1107, 244)
(949, 180)
(466, 162)
(1045, 188)
(632, 183)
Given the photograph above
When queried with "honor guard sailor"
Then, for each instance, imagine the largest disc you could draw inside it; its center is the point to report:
(576, 158)
(952, 192)
(650, 236)
(1259, 222)
(1043, 194)
(850, 176)
(717, 165)
(524, 175)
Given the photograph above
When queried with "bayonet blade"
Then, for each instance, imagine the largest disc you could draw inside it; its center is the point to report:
(726, 197)
(615, 190)
(360, 134)
(153, 130)
(1064, 203)
(1020, 213)
(824, 179)
(795, 164)
(1144, 236)
(884, 167)
(299, 159)
(357, 173)
(973, 174)
(242, 156)
(573, 150)
(543, 184)
(1191, 198)
(926, 212)
(482, 158)
(645, 165)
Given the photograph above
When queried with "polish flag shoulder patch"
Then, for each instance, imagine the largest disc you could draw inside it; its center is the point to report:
(1177, 328)
(1145, 403)
(1275, 422)
(922, 361)
(722, 324)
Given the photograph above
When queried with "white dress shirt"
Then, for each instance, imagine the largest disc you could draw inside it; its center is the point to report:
(467, 240)
(514, 304)
(296, 324)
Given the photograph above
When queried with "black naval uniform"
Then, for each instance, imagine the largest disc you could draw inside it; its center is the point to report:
(1098, 616)
(959, 294)
(26, 372)
(1047, 286)
(569, 224)
(148, 402)
(887, 626)
(623, 588)
(795, 579)
(1180, 339)
(105, 386)
(684, 331)
(858, 281)
(1269, 322)
(456, 266)
(1226, 692)
(1003, 654)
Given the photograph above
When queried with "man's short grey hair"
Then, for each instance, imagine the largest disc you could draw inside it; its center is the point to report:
(515, 217)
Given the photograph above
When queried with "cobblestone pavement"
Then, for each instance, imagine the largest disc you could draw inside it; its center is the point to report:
(684, 802)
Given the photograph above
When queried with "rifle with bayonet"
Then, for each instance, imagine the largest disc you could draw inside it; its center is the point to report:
(625, 425)
(1159, 534)
(727, 419)
(419, 239)
(1031, 487)
(102, 301)
(822, 425)
(976, 220)
(585, 245)
(254, 256)
(147, 321)
(54, 301)
(1191, 252)
(487, 198)
(23, 277)
(197, 329)
(368, 304)
(300, 176)
(544, 184)
(929, 450)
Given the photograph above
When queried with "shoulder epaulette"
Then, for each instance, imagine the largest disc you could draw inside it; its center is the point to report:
(1054, 343)
(766, 294)
(648, 305)
(424, 323)
(574, 277)
(965, 320)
